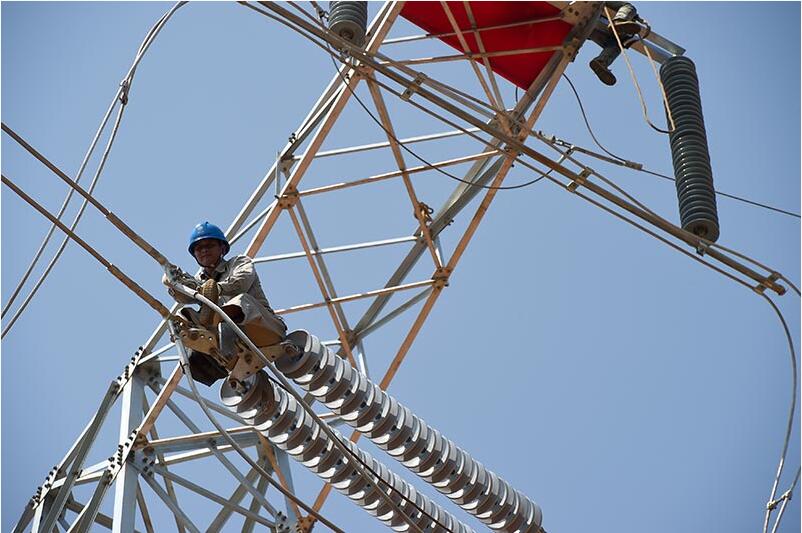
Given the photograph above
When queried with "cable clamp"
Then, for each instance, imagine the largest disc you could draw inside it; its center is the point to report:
(580, 179)
(787, 495)
(288, 199)
(413, 87)
(125, 86)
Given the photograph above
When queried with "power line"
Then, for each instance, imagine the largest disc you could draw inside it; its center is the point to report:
(121, 96)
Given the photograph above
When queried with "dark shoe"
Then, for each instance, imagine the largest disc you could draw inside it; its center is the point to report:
(205, 369)
(604, 74)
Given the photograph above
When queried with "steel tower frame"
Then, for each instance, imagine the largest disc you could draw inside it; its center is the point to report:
(141, 454)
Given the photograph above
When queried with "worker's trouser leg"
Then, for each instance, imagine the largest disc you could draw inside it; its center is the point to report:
(601, 63)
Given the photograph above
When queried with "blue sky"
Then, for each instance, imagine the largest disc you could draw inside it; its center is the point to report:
(616, 382)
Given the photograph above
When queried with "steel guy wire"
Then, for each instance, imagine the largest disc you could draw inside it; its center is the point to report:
(111, 217)
(116, 272)
(639, 167)
(122, 97)
(550, 141)
(63, 245)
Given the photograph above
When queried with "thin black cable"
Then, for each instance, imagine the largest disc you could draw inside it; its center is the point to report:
(630, 164)
(585, 118)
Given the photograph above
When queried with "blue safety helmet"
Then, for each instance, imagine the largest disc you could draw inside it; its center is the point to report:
(207, 230)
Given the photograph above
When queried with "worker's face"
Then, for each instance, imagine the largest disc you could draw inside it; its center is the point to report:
(208, 252)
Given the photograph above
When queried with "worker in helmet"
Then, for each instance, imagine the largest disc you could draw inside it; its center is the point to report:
(233, 285)
(627, 23)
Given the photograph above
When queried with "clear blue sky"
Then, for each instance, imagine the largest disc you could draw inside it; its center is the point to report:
(616, 382)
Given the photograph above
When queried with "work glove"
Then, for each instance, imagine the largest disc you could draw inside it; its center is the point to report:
(210, 290)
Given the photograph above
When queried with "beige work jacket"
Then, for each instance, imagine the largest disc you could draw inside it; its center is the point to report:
(240, 286)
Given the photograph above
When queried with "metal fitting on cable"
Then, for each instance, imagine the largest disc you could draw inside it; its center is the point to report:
(394, 428)
(125, 85)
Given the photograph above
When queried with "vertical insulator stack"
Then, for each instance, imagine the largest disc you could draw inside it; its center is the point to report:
(689, 152)
(278, 416)
(422, 449)
(349, 20)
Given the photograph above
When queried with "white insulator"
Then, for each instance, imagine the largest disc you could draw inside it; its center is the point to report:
(419, 447)
(279, 417)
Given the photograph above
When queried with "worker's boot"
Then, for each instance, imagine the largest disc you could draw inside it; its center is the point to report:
(205, 369)
(601, 63)
(210, 290)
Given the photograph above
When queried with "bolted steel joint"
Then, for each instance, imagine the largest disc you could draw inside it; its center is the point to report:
(441, 276)
(288, 199)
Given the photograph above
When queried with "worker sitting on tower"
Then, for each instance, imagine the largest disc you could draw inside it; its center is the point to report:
(626, 23)
(233, 285)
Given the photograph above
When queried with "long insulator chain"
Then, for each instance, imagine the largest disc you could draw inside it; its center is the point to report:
(422, 449)
(689, 152)
(278, 416)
